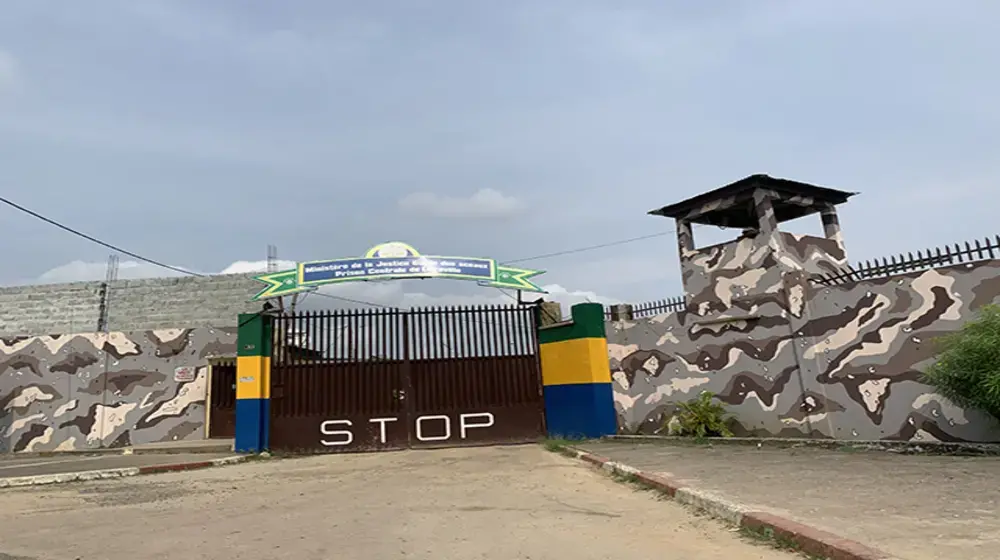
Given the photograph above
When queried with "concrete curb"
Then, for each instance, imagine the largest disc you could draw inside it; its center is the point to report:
(808, 539)
(900, 447)
(22, 481)
(114, 451)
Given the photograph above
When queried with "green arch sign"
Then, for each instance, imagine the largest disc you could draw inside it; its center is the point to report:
(394, 261)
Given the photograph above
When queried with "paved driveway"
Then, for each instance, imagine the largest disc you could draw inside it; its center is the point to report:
(915, 507)
(455, 504)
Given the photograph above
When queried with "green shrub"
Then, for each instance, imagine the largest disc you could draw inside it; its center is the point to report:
(701, 417)
(967, 369)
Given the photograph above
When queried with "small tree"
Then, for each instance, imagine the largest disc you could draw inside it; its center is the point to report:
(967, 370)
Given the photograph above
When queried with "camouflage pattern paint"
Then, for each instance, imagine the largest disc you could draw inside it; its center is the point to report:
(718, 276)
(82, 391)
(803, 360)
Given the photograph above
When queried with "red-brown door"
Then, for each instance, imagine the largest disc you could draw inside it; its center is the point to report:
(222, 414)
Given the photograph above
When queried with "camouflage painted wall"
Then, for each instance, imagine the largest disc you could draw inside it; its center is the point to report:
(753, 265)
(116, 389)
(809, 361)
(715, 277)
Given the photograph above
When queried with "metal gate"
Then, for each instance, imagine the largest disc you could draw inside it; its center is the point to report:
(222, 403)
(374, 379)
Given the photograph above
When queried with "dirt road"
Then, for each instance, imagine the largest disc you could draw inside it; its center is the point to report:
(456, 504)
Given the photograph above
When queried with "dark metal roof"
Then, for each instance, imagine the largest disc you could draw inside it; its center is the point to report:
(738, 209)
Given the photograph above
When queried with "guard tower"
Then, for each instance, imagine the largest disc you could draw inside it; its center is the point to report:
(751, 266)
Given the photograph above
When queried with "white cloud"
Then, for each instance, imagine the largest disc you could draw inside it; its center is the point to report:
(80, 271)
(484, 203)
(242, 267)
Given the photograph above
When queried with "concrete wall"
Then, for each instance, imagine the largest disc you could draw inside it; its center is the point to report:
(182, 302)
(52, 308)
(805, 360)
(133, 304)
(81, 391)
(659, 361)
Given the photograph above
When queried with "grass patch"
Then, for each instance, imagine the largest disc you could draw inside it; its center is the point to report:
(555, 444)
(561, 446)
(255, 458)
(626, 478)
(767, 536)
(283, 455)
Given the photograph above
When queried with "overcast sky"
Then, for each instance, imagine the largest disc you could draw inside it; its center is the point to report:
(198, 132)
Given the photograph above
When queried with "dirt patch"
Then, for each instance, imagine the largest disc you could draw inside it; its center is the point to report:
(450, 504)
(109, 494)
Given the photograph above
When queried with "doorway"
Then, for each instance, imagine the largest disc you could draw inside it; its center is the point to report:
(222, 400)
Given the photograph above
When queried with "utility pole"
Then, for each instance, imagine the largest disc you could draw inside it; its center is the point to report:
(272, 266)
(272, 258)
(110, 277)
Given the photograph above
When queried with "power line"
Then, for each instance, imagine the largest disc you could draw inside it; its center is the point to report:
(545, 256)
(589, 248)
(96, 240)
(350, 300)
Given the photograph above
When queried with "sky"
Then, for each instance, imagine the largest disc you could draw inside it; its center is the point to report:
(197, 133)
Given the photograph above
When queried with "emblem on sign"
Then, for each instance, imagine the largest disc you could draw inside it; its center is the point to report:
(395, 261)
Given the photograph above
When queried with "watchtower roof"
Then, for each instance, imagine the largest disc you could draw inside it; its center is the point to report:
(733, 205)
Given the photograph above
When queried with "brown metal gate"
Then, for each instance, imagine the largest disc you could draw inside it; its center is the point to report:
(222, 411)
(365, 380)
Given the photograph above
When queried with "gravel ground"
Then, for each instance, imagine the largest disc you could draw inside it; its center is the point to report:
(453, 504)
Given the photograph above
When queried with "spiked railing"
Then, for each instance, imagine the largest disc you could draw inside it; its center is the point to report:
(650, 308)
(898, 264)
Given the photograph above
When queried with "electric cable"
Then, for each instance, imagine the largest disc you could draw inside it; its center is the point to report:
(588, 248)
(350, 300)
(96, 240)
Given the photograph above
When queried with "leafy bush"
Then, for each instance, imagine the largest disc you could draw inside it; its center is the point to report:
(967, 370)
(701, 417)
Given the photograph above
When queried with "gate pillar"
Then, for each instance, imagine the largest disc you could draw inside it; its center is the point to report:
(576, 375)
(253, 383)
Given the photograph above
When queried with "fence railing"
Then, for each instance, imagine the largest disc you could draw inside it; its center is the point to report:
(647, 309)
(910, 262)
(344, 336)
